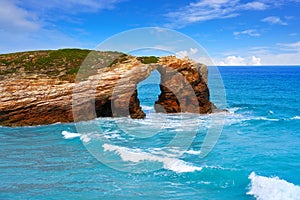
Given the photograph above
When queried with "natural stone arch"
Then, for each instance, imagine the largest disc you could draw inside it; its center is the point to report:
(187, 79)
(27, 101)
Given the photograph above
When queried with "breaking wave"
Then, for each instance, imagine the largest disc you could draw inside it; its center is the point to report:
(137, 155)
(70, 135)
(295, 118)
(265, 188)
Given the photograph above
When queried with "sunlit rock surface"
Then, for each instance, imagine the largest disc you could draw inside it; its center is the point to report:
(71, 89)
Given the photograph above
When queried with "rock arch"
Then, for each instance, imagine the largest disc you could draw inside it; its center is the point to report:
(112, 91)
(180, 79)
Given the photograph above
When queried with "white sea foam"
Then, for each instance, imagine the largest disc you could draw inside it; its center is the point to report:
(271, 112)
(69, 135)
(295, 118)
(233, 118)
(193, 152)
(233, 109)
(266, 119)
(147, 108)
(137, 155)
(265, 188)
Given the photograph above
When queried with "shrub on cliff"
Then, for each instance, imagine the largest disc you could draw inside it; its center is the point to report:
(148, 59)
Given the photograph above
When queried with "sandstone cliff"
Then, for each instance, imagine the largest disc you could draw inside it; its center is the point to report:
(44, 87)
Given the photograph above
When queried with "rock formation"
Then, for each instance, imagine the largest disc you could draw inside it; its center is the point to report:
(35, 95)
(183, 87)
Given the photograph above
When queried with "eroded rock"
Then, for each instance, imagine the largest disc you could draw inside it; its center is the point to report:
(38, 98)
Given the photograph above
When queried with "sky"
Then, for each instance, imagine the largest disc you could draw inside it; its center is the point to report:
(233, 32)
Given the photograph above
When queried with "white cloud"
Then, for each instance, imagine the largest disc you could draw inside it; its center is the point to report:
(22, 29)
(202, 11)
(239, 61)
(274, 20)
(255, 60)
(41, 39)
(30, 24)
(290, 50)
(281, 59)
(14, 19)
(291, 46)
(255, 6)
(185, 53)
(290, 55)
(197, 55)
(268, 59)
(205, 10)
(193, 51)
(250, 32)
(281, 54)
(73, 6)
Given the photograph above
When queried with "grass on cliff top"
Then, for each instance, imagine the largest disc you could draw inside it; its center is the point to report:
(63, 64)
(48, 62)
(148, 59)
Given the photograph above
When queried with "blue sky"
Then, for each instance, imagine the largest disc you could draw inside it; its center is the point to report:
(233, 32)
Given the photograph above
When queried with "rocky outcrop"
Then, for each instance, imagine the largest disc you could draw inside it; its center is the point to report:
(40, 97)
(183, 87)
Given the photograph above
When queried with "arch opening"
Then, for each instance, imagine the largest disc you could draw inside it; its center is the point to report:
(148, 92)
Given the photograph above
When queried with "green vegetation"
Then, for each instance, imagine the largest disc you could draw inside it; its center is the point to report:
(53, 63)
(62, 64)
(122, 58)
(148, 59)
(9, 71)
(4, 62)
(73, 71)
(69, 58)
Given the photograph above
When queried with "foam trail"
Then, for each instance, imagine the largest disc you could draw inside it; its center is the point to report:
(295, 118)
(69, 135)
(232, 110)
(193, 152)
(136, 155)
(265, 188)
(266, 119)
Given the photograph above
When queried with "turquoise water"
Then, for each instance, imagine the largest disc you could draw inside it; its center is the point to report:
(256, 156)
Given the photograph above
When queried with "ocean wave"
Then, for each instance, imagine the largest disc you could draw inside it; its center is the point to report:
(137, 155)
(70, 135)
(265, 188)
(234, 118)
(129, 129)
(193, 152)
(111, 134)
(266, 119)
(295, 118)
(234, 109)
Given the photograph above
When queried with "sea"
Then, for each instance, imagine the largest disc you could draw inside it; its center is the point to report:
(254, 155)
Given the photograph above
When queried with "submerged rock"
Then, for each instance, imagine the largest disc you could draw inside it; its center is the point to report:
(31, 94)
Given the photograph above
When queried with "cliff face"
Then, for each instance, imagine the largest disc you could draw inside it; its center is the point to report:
(183, 87)
(39, 97)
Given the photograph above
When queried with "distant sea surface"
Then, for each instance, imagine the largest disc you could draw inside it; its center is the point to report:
(257, 156)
